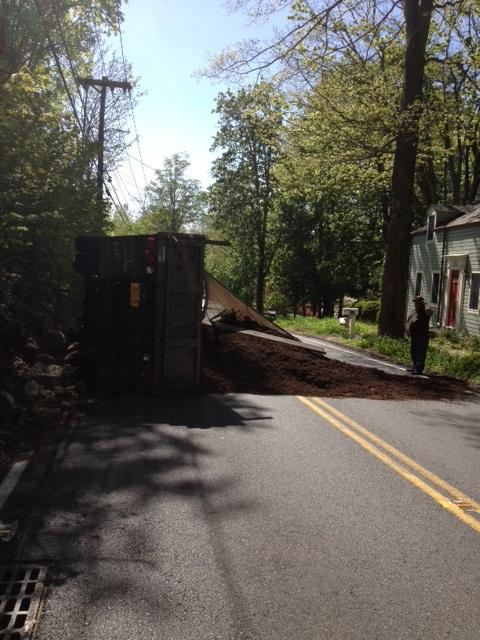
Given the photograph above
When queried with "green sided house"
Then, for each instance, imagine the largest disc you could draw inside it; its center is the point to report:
(445, 266)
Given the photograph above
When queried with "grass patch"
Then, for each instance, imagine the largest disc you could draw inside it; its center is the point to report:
(323, 326)
(450, 353)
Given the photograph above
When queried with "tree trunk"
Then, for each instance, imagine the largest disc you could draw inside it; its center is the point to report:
(328, 306)
(394, 281)
(260, 289)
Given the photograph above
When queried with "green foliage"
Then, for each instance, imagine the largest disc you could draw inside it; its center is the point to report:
(462, 361)
(277, 301)
(175, 203)
(397, 349)
(360, 107)
(243, 195)
(314, 326)
(47, 178)
(27, 27)
(368, 310)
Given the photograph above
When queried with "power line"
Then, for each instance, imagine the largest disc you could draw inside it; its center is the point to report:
(141, 198)
(123, 185)
(131, 102)
(144, 163)
(118, 205)
(103, 84)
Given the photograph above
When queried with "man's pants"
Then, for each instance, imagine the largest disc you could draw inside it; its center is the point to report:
(418, 351)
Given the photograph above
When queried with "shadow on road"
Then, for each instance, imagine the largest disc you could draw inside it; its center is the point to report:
(467, 422)
(105, 512)
(194, 412)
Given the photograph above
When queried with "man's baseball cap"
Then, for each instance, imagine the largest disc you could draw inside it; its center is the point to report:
(418, 299)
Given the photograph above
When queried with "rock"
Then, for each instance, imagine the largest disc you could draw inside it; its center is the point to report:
(7, 400)
(49, 375)
(47, 396)
(53, 341)
(56, 371)
(73, 346)
(40, 368)
(30, 347)
(32, 390)
(72, 357)
(45, 357)
(20, 367)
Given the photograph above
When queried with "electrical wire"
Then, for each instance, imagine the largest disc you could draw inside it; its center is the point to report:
(123, 185)
(144, 163)
(118, 205)
(131, 102)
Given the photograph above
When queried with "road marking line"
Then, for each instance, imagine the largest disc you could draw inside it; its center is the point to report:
(440, 499)
(453, 491)
(327, 345)
(10, 481)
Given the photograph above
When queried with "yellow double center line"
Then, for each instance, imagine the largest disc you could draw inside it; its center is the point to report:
(400, 463)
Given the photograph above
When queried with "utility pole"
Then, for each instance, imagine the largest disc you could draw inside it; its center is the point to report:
(103, 84)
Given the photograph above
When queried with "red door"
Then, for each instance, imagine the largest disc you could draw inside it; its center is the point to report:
(453, 299)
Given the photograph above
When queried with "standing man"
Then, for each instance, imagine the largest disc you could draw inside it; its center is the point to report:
(418, 330)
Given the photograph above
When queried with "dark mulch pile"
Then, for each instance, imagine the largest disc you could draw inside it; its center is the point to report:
(243, 363)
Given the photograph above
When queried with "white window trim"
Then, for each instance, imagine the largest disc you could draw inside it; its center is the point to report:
(476, 311)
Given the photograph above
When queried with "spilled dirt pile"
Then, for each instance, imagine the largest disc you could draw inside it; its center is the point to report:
(236, 362)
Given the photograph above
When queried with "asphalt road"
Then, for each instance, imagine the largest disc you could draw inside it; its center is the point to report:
(352, 356)
(253, 517)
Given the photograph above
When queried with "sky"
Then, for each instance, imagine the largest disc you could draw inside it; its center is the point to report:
(166, 41)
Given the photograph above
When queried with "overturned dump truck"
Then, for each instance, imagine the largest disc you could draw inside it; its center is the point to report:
(141, 325)
(145, 299)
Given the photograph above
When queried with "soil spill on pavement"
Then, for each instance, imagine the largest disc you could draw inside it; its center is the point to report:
(236, 362)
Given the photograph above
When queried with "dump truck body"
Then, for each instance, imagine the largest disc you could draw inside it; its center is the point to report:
(143, 310)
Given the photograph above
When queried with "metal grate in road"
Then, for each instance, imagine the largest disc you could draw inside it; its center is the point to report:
(22, 588)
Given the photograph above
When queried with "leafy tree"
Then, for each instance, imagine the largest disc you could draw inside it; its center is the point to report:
(46, 195)
(449, 150)
(244, 190)
(174, 202)
(47, 182)
(333, 230)
(29, 29)
(324, 30)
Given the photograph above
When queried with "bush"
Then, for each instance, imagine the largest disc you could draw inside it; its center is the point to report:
(277, 301)
(369, 310)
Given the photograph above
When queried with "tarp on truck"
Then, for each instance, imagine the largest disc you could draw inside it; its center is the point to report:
(223, 306)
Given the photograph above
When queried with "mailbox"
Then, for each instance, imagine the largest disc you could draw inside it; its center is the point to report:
(351, 314)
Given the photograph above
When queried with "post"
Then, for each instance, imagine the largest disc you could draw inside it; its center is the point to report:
(102, 84)
(101, 143)
(351, 313)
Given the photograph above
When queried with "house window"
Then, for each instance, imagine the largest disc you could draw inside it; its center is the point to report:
(418, 284)
(435, 287)
(430, 226)
(474, 292)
